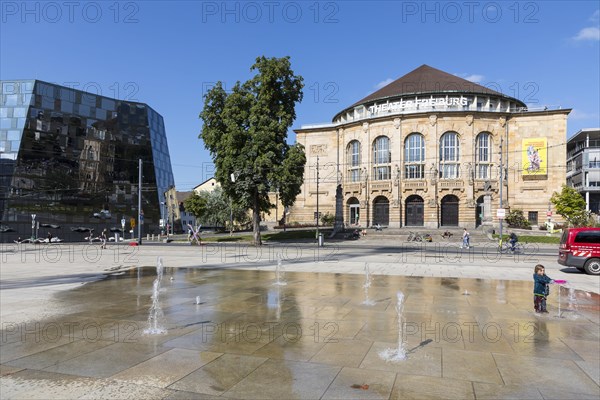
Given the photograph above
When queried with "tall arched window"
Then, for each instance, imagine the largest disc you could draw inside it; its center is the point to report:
(90, 154)
(353, 157)
(414, 156)
(381, 158)
(449, 155)
(483, 155)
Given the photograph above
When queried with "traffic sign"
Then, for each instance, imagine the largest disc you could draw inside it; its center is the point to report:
(132, 222)
(501, 213)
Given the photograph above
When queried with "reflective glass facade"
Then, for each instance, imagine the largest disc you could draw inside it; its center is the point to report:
(71, 158)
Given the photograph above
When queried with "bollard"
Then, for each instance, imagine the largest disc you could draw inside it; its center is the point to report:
(321, 240)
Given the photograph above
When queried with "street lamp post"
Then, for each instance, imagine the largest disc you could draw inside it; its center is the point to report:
(165, 215)
(32, 226)
(232, 176)
(318, 200)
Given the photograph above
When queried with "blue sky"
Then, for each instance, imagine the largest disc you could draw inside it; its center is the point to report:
(167, 54)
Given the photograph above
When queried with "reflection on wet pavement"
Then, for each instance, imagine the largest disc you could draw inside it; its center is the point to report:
(312, 338)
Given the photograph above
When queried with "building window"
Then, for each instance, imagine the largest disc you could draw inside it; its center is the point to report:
(381, 158)
(483, 155)
(532, 217)
(414, 156)
(353, 155)
(449, 155)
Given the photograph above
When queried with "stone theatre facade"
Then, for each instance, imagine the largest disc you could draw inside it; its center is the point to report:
(427, 150)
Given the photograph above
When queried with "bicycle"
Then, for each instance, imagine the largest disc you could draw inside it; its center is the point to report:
(506, 248)
(414, 237)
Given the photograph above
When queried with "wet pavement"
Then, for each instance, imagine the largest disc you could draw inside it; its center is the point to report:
(312, 338)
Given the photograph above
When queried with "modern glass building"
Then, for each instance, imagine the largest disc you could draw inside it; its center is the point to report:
(71, 159)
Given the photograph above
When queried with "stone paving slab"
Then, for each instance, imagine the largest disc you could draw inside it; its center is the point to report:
(316, 336)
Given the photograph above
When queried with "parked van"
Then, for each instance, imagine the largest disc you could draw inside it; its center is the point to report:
(580, 248)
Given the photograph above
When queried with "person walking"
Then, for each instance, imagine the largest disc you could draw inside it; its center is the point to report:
(103, 238)
(465, 239)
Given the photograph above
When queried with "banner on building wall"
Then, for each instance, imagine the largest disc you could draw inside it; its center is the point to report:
(535, 156)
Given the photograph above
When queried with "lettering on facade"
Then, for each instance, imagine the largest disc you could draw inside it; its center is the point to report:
(318, 149)
(411, 104)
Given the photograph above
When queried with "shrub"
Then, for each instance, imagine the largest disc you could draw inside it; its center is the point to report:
(516, 219)
(327, 219)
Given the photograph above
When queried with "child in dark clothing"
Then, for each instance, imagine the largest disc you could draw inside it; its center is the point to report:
(540, 288)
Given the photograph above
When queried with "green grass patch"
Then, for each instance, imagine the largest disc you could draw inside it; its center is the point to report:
(533, 239)
(277, 236)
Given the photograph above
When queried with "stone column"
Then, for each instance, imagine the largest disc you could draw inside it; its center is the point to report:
(338, 225)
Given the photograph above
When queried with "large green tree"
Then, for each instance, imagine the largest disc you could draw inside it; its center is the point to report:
(246, 133)
(571, 205)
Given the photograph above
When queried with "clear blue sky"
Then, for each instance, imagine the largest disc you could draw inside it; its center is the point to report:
(167, 54)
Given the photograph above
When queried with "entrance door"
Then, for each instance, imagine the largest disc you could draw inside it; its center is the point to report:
(353, 211)
(479, 212)
(381, 211)
(450, 210)
(415, 211)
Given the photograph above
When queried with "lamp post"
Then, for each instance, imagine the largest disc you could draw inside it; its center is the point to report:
(32, 226)
(366, 175)
(398, 198)
(232, 176)
(318, 199)
(434, 181)
(165, 215)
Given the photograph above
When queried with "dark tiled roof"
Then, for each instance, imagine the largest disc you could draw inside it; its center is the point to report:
(426, 79)
(182, 196)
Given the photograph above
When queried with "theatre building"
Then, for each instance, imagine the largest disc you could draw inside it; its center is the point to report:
(431, 150)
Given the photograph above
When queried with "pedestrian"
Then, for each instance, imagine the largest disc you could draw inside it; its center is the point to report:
(541, 290)
(103, 238)
(49, 237)
(465, 239)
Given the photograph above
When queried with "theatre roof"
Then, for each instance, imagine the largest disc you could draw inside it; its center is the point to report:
(426, 80)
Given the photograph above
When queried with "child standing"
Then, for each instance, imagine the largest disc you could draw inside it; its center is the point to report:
(540, 288)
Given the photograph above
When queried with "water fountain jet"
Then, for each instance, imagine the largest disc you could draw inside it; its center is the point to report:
(398, 353)
(156, 314)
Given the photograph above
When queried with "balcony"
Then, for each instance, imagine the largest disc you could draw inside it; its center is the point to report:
(414, 185)
(451, 184)
(381, 185)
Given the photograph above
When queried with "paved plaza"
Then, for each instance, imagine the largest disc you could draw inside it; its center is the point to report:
(73, 320)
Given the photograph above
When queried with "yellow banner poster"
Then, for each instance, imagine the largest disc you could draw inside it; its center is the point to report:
(535, 156)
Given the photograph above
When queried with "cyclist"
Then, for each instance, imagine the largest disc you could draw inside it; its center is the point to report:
(513, 239)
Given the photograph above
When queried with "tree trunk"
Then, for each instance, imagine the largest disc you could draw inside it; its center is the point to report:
(256, 221)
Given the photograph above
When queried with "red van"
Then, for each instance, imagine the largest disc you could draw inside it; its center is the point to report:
(580, 248)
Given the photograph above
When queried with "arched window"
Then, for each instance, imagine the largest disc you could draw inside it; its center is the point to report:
(414, 156)
(483, 155)
(353, 157)
(381, 158)
(90, 154)
(449, 155)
